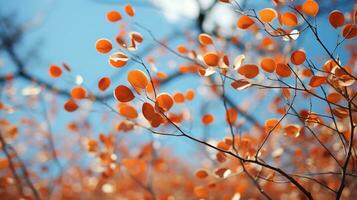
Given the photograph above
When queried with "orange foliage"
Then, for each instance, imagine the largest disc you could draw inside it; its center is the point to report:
(270, 120)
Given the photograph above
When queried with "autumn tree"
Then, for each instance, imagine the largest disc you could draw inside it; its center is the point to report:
(265, 100)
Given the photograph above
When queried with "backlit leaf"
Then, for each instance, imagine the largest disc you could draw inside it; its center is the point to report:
(70, 105)
(205, 39)
(249, 71)
(283, 70)
(336, 19)
(201, 174)
(349, 31)
(118, 59)
(267, 15)
(231, 115)
(292, 130)
(271, 124)
(207, 119)
(240, 84)
(164, 102)
(182, 49)
(55, 71)
(123, 94)
(128, 111)
(289, 19)
(104, 83)
(136, 36)
(211, 59)
(222, 172)
(148, 111)
(138, 80)
(244, 22)
(190, 94)
(103, 45)
(268, 65)
(113, 16)
(316, 81)
(298, 57)
(179, 97)
(310, 7)
(129, 10)
(79, 92)
(334, 97)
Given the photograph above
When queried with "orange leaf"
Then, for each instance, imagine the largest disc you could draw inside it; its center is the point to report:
(283, 70)
(55, 71)
(207, 119)
(182, 49)
(4, 163)
(271, 124)
(292, 130)
(92, 145)
(249, 71)
(240, 84)
(221, 157)
(244, 22)
(157, 120)
(103, 45)
(211, 59)
(336, 18)
(123, 94)
(205, 39)
(223, 145)
(129, 10)
(70, 106)
(225, 62)
(78, 92)
(128, 111)
(310, 7)
(136, 38)
(334, 97)
(222, 172)
(349, 31)
(148, 111)
(231, 115)
(164, 102)
(286, 92)
(268, 65)
(138, 79)
(298, 57)
(118, 59)
(267, 15)
(190, 94)
(316, 81)
(113, 16)
(201, 174)
(104, 83)
(307, 72)
(289, 19)
(179, 97)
